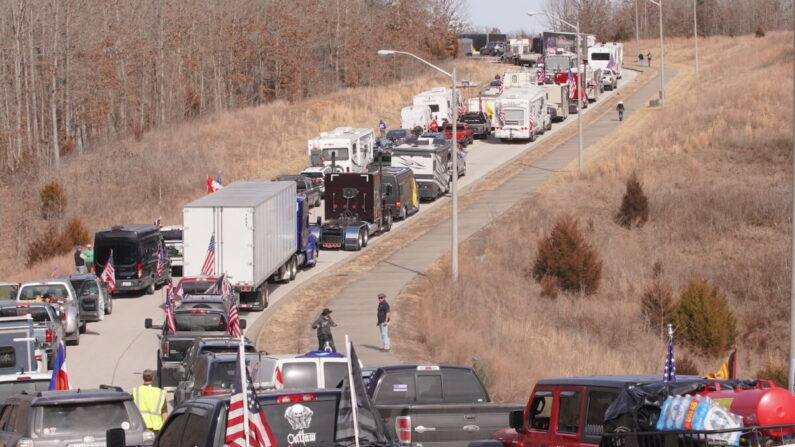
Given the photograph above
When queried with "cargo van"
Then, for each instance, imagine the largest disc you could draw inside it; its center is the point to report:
(135, 252)
(313, 370)
(399, 191)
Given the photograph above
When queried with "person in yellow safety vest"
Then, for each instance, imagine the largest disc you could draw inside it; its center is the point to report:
(151, 402)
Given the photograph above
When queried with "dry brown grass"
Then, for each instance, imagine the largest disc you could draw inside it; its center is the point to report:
(152, 175)
(715, 167)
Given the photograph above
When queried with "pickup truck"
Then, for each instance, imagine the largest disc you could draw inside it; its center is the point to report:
(93, 296)
(191, 323)
(435, 405)
(61, 294)
(305, 187)
(47, 326)
(479, 123)
(464, 133)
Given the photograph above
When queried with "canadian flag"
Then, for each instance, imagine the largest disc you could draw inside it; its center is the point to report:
(213, 185)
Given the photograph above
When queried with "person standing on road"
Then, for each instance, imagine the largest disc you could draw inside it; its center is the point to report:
(382, 128)
(620, 109)
(88, 256)
(383, 321)
(80, 262)
(648, 58)
(323, 324)
(151, 401)
(640, 58)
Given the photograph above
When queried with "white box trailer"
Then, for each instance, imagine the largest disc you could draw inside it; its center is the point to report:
(348, 149)
(413, 116)
(522, 114)
(254, 228)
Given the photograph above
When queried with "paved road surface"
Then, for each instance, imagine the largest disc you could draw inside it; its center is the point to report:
(116, 350)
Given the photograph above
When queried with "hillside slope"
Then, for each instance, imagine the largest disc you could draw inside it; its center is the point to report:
(715, 164)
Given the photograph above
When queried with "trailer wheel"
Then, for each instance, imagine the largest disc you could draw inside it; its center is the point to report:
(284, 273)
(388, 224)
(359, 241)
(293, 267)
(365, 237)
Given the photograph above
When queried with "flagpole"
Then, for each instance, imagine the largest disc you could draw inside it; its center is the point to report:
(244, 385)
(354, 404)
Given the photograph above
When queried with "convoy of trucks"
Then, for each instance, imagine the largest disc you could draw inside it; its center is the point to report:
(259, 232)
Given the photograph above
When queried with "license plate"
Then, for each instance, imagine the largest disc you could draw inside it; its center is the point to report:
(126, 283)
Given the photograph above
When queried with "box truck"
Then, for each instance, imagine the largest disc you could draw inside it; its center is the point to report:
(256, 231)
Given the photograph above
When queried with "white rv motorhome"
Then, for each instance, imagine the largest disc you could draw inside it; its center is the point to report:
(440, 100)
(350, 149)
(428, 159)
(522, 114)
(607, 55)
(519, 78)
(413, 116)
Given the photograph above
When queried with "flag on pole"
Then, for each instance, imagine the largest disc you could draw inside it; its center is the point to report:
(572, 85)
(213, 185)
(669, 372)
(168, 308)
(233, 326)
(246, 418)
(60, 377)
(612, 64)
(727, 370)
(108, 275)
(161, 261)
(357, 419)
(208, 268)
(218, 287)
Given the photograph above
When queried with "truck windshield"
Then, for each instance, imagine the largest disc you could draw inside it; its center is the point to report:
(340, 153)
(86, 418)
(39, 293)
(39, 314)
(200, 322)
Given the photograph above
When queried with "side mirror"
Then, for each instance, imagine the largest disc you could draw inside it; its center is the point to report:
(516, 420)
(148, 323)
(242, 324)
(115, 437)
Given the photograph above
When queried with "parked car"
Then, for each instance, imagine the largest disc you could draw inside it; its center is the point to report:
(47, 326)
(306, 188)
(609, 79)
(203, 345)
(172, 238)
(479, 123)
(464, 134)
(71, 418)
(399, 192)
(317, 174)
(61, 294)
(93, 296)
(435, 405)
(205, 285)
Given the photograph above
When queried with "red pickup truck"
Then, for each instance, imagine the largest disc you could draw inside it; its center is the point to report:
(464, 133)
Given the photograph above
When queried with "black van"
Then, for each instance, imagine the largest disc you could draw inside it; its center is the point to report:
(135, 252)
(399, 190)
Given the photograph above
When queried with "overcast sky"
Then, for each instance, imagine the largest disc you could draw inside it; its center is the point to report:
(507, 15)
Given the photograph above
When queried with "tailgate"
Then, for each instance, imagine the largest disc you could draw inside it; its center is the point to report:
(485, 419)
(295, 421)
(437, 425)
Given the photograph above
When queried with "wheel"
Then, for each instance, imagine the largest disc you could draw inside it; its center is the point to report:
(317, 202)
(150, 289)
(315, 252)
(75, 341)
(388, 224)
(532, 136)
(293, 268)
(403, 213)
(359, 241)
(365, 238)
(109, 307)
(284, 273)
(82, 328)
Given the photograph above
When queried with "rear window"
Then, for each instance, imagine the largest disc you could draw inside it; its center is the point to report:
(600, 56)
(397, 133)
(86, 418)
(462, 387)
(200, 322)
(172, 234)
(312, 174)
(222, 374)
(8, 292)
(473, 119)
(125, 252)
(396, 388)
(333, 373)
(307, 423)
(196, 287)
(299, 375)
(38, 293)
(39, 314)
(8, 389)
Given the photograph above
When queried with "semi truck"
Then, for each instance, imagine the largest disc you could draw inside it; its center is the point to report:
(354, 211)
(257, 232)
(522, 114)
(345, 148)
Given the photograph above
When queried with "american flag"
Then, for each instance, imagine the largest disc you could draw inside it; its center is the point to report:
(572, 85)
(612, 63)
(233, 327)
(108, 275)
(219, 287)
(669, 371)
(176, 291)
(161, 261)
(501, 116)
(168, 308)
(259, 432)
(208, 268)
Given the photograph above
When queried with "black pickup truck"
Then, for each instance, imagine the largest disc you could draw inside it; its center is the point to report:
(305, 187)
(435, 405)
(191, 323)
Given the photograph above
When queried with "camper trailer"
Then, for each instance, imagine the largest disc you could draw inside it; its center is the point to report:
(347, 148)
(440, 100)
(522, 114)
(607, 55)
(413, 116)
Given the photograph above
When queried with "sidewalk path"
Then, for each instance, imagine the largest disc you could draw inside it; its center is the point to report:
(355, 306)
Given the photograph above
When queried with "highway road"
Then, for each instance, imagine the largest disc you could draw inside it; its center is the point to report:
(116, 350)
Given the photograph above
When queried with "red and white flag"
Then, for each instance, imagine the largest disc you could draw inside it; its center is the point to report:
(279, 382)
(168, 308)
(109, 274)
(244, 406)
(208, 268)
(233, 328)
(213, 185)
(60, 378)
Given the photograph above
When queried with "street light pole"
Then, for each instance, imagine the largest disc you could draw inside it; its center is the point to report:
(695, 32)
(637, 31)
(662, 55)
(454, 154)
(580, 83)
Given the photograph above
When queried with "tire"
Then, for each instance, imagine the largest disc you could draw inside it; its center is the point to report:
(82, 328)
(150, 289)
(365, 238)
(388, 226)
(75, 341)
(109, 307)
(284, 273)
(403, 213)
(359, 241)
(532, 136)
(293, 268)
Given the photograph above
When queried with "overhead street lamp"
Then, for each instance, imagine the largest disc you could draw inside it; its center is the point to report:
(695, 32)
(580, 81)
(454, 193)
(662, 56)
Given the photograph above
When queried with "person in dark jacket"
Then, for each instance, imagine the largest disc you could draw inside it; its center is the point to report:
(383, 314)
(323, 324)
(80, 260)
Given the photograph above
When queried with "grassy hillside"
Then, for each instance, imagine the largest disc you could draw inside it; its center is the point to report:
(715, 164)
(138, 181)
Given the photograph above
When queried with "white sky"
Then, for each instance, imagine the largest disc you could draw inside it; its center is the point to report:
(507, 15)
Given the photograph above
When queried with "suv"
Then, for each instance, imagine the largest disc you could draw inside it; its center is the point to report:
(204, 345)
(212, 374)
(609, 79)
(47, 327)
(136, 249)
(305, 186)
(93, 296)
(71, 418)
(61, 294)
(172, 237)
